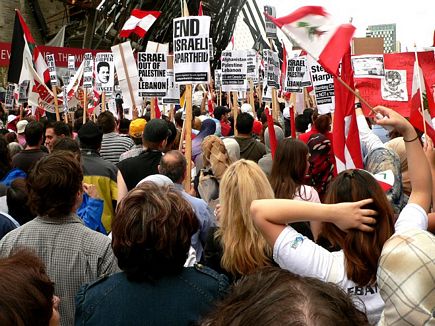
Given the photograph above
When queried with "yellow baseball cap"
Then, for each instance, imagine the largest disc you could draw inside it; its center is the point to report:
(137, 127)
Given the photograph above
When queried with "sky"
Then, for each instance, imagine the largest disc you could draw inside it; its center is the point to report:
(415, 20)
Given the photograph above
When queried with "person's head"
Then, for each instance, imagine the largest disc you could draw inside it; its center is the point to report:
(289, 168)
(279, 134)
(215, 155)
(56, 130)
(17, 199)
(107, 122)
(14, 148)
(221, 113)
(34, 133)
(90, 136)
(155, 135)
(26, 291)
(406, 279)
(171, 142)
(323, 123)
(173, 165)
(55, 185)
(275, 297)
(152, 231)
(244, 249)
(103, 71)
(136, 128)
(301, 123)
(244, 123)
(69, 145)
(124, 126)
(233, 149)
(361, 249)
(21, 126)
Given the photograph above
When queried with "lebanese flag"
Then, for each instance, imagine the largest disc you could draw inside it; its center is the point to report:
(345, 136)
(312, 28)
(415, 116)
(272, 137)
(23, 48)
(139, 22)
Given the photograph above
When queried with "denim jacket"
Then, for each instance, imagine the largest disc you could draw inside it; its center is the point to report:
(172, 300)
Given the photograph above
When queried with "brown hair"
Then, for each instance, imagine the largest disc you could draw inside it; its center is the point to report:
(361, 249)
(288, 168)
(26, 292)
(274, 297)
(53, 184)
(152, 232)
(323, 123)
(106, 121)
(215, 155)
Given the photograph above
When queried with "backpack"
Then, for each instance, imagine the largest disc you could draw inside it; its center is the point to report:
(321, 167)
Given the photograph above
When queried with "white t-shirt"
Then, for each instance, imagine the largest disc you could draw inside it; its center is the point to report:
(300, 255)
(307, 193)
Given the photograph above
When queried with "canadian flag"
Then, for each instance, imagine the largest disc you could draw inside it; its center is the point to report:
(313, 29)
(139, 22)
(346, 144)
(415, 116)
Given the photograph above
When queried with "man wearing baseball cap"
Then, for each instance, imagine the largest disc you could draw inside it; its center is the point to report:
(133, 170)
(135, 131)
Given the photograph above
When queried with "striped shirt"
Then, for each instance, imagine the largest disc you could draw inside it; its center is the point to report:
(135, 151)
(73, 254)
(113, 146)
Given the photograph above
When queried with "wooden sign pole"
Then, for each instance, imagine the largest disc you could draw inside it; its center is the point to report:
(153, 108)
(235, 112)
(85, 104)
(56, 105)
(103, 101)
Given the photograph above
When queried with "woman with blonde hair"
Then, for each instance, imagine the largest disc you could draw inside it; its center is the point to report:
(244, 248)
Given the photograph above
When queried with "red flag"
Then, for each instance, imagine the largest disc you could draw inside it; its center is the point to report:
(415, 116)
(312, 28)
(157, 109)
(139, 22)
(200, 12)
(292, 121)
(346, 144)
(270, 126)
(283, 65)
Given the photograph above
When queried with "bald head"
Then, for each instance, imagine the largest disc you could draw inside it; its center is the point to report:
(173, 165)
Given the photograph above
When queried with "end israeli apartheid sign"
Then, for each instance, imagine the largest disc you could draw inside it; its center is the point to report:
(191, 49)
(152, 74)
(51, 69)
(104, 72)
(234, 69)
(297, 75)
(88, 71)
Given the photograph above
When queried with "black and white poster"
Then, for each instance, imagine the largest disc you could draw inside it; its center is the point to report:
(297, 76)
(217, 78)
(270, 27)
(269, 68)
(104, 72)
(191, 49)
(368, 66)
(323, 83)
(393, 86)
(88, 71)
(153, 80)
(51, 69)
(9, 98)
(173, 94)
(234, 69)
(24, 90)
(252, 66)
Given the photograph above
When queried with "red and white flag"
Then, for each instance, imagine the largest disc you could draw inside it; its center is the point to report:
(139, 22)
(313, 29)
(200, 12)
(415, 116)
(346, 144)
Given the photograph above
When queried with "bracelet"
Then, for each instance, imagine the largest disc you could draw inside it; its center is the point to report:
(358, 105)
(411, 140)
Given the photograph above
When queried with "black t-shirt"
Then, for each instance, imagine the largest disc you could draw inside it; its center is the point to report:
(134, 169)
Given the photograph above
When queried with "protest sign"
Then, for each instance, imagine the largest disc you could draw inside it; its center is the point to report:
(269, 68)
(9, 98)
(191, 49)
(297, 75)
(368, 66)
(323, 83)
(173, 94)
(88, 71)
(234, 69)
(393, 86)
(51, 69)
(252, 66)
(104, 72)
(217, 78)
(267, 92)
(24, 91)
(152, 74)
(270, 26)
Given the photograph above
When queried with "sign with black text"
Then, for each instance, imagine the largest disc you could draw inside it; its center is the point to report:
(104, 72)
(152, 68)
(234, 69)
(88, 71)
(270, 26)
(297, 75)
(323, 83)
(51, 69)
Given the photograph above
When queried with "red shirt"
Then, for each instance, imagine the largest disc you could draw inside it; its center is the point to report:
(225, 128)
(306, 136)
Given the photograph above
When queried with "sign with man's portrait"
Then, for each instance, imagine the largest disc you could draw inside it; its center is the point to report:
(104, 72)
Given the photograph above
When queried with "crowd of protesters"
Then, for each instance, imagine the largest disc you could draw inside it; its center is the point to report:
(98, 227)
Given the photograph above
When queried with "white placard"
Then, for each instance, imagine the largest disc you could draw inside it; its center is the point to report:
(104, 72)
(234, 70)
(217, 78)
(323, 83)
(88, 71)
(173, 94)
(9, 98)
(252, 64)
(393, 86)
(368, 66)
(191, 49)
(270, 27)
(71, 65)
(152, 74)
(51, 69)
(297, 75)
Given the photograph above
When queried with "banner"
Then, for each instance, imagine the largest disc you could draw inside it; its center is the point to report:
(191, 49)
(88, 73)
(389, 90)
(323, 83)
(104, 72)
(51, 69)
(152, 74)
(297, 75)
(234, 69)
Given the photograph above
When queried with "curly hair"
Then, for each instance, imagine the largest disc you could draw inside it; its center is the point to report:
(54, 183)
(244, 248)
(152, 232)
(215, 155)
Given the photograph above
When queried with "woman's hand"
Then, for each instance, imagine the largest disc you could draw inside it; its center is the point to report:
(388, 117)
(353, 216)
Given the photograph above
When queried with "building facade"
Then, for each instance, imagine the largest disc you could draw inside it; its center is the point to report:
(388, 33)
